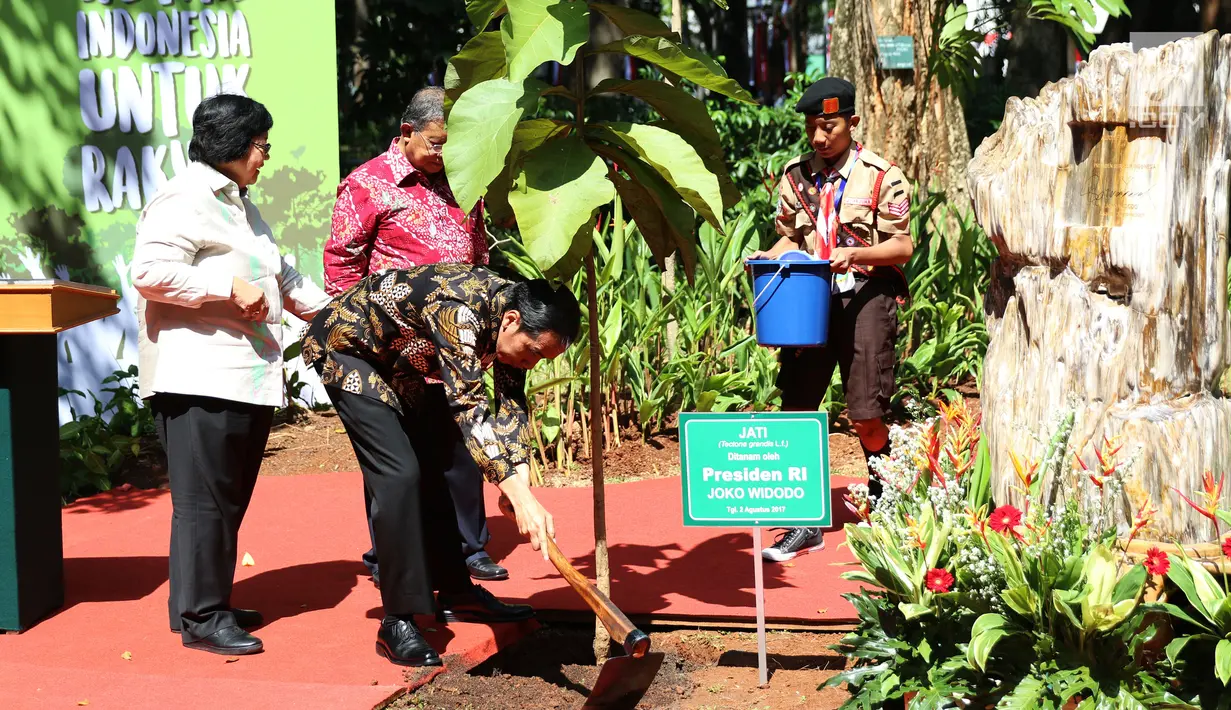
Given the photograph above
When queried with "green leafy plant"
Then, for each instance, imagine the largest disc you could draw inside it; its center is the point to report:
(553, 176)
(95, 445)
(1013, 608)
(1199, 603)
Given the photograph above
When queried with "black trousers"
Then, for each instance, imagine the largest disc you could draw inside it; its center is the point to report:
(465, 483)
(214, 449)
(414, 529)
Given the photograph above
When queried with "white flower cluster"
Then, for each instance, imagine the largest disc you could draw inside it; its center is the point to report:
(949, 501)
(980, 575)
(898, 470)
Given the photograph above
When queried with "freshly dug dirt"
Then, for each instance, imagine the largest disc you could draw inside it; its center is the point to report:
(554, 668)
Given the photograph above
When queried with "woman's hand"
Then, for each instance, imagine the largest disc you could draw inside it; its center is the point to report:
(249, 299)
(533, 520)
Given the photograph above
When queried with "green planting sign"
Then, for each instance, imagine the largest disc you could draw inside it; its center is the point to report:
(755, 469)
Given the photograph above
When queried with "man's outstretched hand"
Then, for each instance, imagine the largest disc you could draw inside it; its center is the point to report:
(533, 520)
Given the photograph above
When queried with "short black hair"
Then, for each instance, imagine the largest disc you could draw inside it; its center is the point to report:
(224, 126)
(426, 107)
(544, 307)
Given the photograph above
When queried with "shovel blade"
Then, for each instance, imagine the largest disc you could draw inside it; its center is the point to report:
(623, 681)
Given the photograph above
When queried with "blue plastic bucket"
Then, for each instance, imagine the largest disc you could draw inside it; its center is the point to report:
(792, 300)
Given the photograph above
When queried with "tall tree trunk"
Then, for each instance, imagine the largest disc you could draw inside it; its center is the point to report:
(733, 40)
(1209, 14)
(906, 116)
(608, 65)
(1038, 55)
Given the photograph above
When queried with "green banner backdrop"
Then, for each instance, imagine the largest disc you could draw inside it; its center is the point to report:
(95, 104)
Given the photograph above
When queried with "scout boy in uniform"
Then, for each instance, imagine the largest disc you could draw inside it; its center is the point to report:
(844, 203)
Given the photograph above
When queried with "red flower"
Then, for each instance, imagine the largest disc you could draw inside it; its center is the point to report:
(1156, 562)
(1226, 546)
(1005, 518)
(939, 581)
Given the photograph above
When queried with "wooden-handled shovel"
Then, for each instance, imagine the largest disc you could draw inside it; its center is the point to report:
(623, 680)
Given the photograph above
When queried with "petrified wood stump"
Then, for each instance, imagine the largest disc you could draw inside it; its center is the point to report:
(1107, 197)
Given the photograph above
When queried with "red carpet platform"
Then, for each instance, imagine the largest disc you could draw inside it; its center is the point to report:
(110, 647)
(663, 570)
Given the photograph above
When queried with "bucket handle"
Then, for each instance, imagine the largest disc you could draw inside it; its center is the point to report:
(765, 288)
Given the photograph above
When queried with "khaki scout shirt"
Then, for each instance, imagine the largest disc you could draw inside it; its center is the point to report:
(874, 223)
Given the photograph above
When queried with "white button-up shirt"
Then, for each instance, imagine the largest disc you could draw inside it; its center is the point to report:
(196, 235)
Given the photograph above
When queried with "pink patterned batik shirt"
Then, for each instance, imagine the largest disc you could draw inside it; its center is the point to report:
(391, 216)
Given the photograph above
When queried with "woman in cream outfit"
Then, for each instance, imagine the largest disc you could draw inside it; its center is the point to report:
(213, 289)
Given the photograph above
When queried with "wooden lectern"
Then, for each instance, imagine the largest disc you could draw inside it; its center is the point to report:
(31, 544)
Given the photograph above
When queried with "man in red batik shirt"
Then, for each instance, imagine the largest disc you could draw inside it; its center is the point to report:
(396, 211)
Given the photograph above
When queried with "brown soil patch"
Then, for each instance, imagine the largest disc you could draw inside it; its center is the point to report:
(554, 668)
(310, 442)
(315, 442)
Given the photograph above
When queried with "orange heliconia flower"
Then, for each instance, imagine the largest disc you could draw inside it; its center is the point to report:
(1210, 495)
(1026, 473)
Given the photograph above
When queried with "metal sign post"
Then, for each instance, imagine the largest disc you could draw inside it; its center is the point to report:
(752, 470)
(758, 573)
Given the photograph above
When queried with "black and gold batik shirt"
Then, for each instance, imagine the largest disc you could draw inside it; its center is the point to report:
(391, 331)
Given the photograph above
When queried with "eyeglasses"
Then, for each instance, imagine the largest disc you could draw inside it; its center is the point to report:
(437, 148)
(263, 147)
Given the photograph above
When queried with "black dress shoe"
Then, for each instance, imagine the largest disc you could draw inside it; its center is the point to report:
(244, 618)
(399, 641)
(478, 605)
(229, 641)
(484, 569)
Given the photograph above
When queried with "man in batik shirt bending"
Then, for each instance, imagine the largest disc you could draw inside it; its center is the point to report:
(374, 346)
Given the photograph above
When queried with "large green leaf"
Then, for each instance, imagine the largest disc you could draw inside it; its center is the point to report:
(683, 110)
(482, 12)
(482, 58)
(1025, 696)
(1099, 608)
(634, 22)
(526, 137)
(666, 221)
(1181, 576)
(538, 31)
(1129, 586)
(675, 160)
(651, 222)
(531, 134)
(714, 159)
(681, 61)
(1178, 613)
(1222, 661)
(987, 631)
(978, 481)
(561, 186)
(1209, 593)
(685, 116)
(481, 127)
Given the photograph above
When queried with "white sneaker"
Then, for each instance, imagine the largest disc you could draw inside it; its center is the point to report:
(794, 542)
